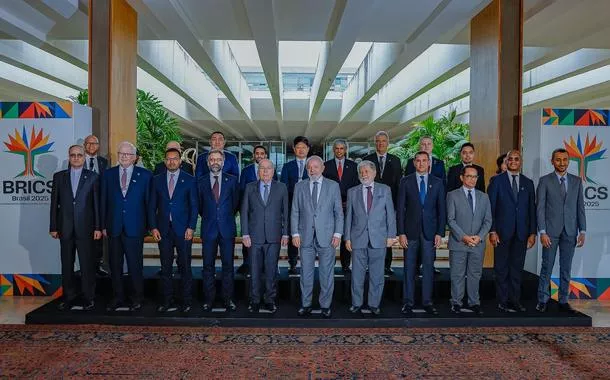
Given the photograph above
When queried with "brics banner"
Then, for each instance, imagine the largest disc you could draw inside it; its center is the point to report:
(585, 134)
(35, 137)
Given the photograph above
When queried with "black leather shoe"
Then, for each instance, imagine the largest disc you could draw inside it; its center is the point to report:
(206, 307)
(505, 309)
(88, 305)
(114, 305)
(166, 307)
(517, 307)
(431, 310)
(355, 309)
(437, 271)
(186, 308)
(326, 313)
(476, 309)
(346, 270)
(375, 311)
(270, 306)
(65, 305)
(253, 307)
(541, 307)
(304, 311)
(292, 271)
(456, 309)
(101, 272)
(136, 306)
(230, 305)
(243, 269)
(566, 308)
(406, 310)
(388, 271)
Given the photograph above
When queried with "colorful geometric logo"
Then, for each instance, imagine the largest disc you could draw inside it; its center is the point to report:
(584, 155)
(36, 145)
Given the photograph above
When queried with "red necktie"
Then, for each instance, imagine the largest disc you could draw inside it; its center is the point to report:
(340, 170)
(215, 189)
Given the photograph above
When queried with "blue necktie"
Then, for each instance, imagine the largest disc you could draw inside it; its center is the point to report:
(422, 190)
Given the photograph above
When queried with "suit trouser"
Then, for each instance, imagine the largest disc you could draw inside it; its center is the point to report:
(466, 268)
(263, 269)
(68, 250)
(345, 255)
(373, 259)
(168, 242)
(509, 258)
(226, 247)
(326, 270)
(566, 245)
(410, 270)
(130, 248)
(245, 253)
(98, 250)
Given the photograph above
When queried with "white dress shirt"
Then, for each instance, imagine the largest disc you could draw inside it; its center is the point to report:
(74, 179)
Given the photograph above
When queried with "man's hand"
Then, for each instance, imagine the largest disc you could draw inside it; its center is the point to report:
(437, 241)
(284, 241)
(246, 241)
(494, 239)
(335, 242)
(296, 241)
(531, 240)
(476, 239)
(545, 240)
(54, 234)
(188, 234)
(348, 245)
(468, 240)
(97, 235)
(156, 234)
(581, 240)
(402, 240)
(390, 242)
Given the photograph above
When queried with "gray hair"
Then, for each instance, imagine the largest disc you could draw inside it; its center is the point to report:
(424, 137)
(365, 163)
(382, 133)
(78, 146)
(340, 142)
(130, 145)
(265, 160)
(217, 151)
(314, 158)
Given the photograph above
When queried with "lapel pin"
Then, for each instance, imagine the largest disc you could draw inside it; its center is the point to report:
(133, 180)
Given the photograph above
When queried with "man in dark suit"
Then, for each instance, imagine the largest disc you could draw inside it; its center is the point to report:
(453, 177)
(264, 224)
(125, 220)
(75, 221)
(513, 230)
(218, 203)
(248, 175)
(174, 203)
(562, 224)
(389, 172)
(217, 142)
(185, 167)
(344, 171)
(421, 216)
(293, 172)
(97, 164)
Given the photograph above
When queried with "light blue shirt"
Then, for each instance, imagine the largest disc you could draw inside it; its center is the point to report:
(419, 180)
(168, 176)
(74, 179)
(565, 183)
(261, 188)
(365, 192)
(474, 198)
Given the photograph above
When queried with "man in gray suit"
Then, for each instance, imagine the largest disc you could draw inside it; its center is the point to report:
(561, 223)
(370, 227)
(316, 222)
(469, 219)
(264, 226)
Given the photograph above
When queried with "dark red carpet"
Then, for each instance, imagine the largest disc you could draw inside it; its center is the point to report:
(233, 353)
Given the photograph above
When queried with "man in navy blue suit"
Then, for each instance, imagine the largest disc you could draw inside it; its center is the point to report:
(421, 218)
(217, 142)
(125, 219)
(218, 203)
(293, 172)
(513, 230)
(174, 203)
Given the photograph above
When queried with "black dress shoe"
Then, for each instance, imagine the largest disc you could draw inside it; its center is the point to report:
(206, 307)
(114, 305)
(566, 308)
(136, 306)
(388, 271)
(186, 308)
(406, 310)
(541, 307)
(456, 309)
(270, 306)
(101, 272)
(167, 307)
(346, 270)
(476, 309)
(375, 311)
(253, 307)
(505, 309)
(437, 271)
(292, 271)
(65, 305)
(430, 310)
(88, 305)
(354, 309)
(243, 269)
(326, 313)
(230, 305)
(517, 307)
(304, 311)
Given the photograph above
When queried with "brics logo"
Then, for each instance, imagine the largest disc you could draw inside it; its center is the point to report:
(29, 149)
(583, 155)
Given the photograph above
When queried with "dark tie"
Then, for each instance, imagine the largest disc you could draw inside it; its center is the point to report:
(369, 199)
(515, 187)
(562, 188)
(470, 200)
(91, 164)
(381, 164)
(266, 194)
(422, 190)
(215, 189)
(314, 195)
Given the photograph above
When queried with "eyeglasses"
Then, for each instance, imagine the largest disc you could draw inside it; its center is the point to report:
(76, 155)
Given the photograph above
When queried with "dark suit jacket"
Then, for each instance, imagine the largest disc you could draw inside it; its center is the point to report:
(182, 205)
(391, 174)
(290, 176)
(132, 212)
(412, 218)
(249, 175)
(218, 219)
(265, 223)
(454, 181)
(349, 178)
(438, 169)
(75, 217)
(230, 166)
(512, 216)
(160, 168)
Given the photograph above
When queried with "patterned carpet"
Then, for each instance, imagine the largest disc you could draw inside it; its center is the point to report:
(198, 353)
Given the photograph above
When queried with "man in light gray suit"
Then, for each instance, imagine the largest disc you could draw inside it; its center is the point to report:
(561, 223)
(264, 226)
(316, 223)
(370, 227)
(469, 219)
